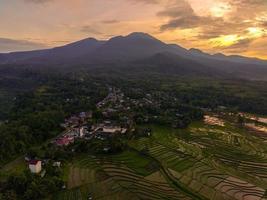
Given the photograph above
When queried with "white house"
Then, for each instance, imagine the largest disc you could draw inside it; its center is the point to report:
(56, 164)
(35, 166)
(81, 131)
(111, 129)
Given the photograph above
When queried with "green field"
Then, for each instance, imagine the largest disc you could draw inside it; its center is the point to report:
(201, 162)
(17, 166)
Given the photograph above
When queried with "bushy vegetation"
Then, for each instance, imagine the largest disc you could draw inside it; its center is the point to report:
(28, 186)
(36, 116)
(114, 144)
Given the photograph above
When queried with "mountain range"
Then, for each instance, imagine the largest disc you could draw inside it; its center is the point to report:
(140, 51)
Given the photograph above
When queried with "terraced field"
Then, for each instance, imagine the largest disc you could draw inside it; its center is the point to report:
(203, 162)
(111, 178)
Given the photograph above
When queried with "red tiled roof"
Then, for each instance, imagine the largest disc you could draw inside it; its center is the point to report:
(64, 141)
(33, 162)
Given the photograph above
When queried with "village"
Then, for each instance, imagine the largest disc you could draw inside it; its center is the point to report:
(84, 127)
(116, 116)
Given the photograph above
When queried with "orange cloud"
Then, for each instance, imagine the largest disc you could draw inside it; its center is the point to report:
(212, 25)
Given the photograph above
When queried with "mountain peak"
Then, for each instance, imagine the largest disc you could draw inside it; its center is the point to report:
(90, 39)
(87, 40)
(194, 50)
(140, 35)
(82, 43)
(219, 55)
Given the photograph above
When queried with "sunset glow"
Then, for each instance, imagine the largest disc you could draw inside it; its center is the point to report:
(220, 10)
(189, 23)
(256, 32)
(227, 40)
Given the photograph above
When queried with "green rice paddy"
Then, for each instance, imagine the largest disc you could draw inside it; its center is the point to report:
(201, 162)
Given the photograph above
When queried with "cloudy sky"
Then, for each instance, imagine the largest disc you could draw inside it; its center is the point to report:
(228, 26)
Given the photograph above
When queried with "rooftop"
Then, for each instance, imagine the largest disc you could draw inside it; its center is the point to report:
(34, 162)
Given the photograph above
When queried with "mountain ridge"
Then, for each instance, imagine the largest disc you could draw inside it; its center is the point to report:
(139, 47)
(87, 42)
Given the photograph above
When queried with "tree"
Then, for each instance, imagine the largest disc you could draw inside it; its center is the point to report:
(8, 195)
(240, 120)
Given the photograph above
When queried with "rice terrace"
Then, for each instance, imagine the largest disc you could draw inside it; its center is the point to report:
(202, 162)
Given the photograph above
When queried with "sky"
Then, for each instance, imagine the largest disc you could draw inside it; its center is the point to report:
(214, 26)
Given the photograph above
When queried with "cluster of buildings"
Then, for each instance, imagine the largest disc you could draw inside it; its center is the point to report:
(76, 127)
(113, 95)
(78, 120)
(80, 126)
(70, 135)
(115, 102)
(106, 130)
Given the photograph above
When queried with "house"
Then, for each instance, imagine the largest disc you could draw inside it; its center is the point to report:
(64, 141)
(123, 130)
(72, 121)
(111, 129)
(82, 115)
(82, 131)
(35, 166)
(106, 149)
(86, 115)
(56, 164)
